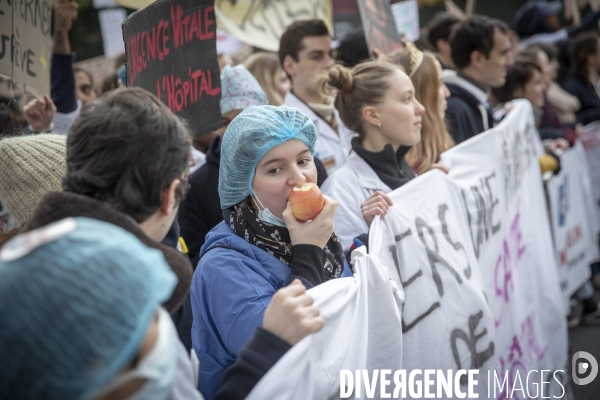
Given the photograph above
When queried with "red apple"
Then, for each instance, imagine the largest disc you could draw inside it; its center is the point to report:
(307, 201)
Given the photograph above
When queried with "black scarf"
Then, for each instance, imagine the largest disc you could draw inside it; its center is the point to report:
(276, 241)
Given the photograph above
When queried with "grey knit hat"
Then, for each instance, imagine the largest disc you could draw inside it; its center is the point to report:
(30, 166)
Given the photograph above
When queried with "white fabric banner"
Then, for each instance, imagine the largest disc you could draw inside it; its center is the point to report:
(573, 237)
(424, 241)
(500, 182)
(362, 332)
(590, 142)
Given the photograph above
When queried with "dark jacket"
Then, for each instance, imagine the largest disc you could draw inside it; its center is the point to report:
(590, 102)
(55, 206)
(200, 211)
(62, 83)
(257, 356)
(469, 113)
(552, 128)
(231, 289)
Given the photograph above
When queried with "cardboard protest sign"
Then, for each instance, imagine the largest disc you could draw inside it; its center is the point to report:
(261, 23)
(406, 15)
(379, 25)
(171, 52)
(6, 66)
(25, 50)
(502, 194)
(573, 239)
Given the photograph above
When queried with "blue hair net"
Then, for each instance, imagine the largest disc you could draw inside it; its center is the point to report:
(248, 138)
(76, 300)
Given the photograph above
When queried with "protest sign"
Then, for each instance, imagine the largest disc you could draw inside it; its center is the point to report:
(110, 26)
(590, 140)
(573, 239)
(25, 50)
(101, 4)
(261, 23)
(228, 44)
(346, 17)
(135, 4)
(501, 189)
(406, 16)
(5, 39)
(171, 52)
(362, 332)
(379, 25)
(425, 244)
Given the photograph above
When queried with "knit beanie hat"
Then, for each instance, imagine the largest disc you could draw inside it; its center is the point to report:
(76, 300)
(30, 166)
(240, 89)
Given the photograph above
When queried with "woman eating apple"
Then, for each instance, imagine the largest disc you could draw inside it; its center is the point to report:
(267, 192)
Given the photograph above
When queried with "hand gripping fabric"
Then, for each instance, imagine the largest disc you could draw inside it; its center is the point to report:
(248, 138)
(76, 300)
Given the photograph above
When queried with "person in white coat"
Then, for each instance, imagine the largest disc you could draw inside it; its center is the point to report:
(305, 54)
(377, 100)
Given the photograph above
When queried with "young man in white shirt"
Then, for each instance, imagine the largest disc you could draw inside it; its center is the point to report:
(305, 54)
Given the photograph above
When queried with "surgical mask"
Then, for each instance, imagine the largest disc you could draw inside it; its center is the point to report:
(158, 367)
(266, 215)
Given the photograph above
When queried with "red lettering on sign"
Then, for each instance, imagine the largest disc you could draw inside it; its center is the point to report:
(145, 47)
(195, 26)
(573, 237)
(377, 12)
(182, 93)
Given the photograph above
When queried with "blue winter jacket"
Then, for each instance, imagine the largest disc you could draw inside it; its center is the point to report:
(231, 288)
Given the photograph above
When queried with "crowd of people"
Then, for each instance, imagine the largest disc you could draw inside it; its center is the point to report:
(128, 243)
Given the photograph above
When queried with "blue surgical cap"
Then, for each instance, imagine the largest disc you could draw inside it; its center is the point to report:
(76, 300)
(248, 138)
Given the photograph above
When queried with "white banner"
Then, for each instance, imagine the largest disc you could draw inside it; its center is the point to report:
(573, 237)
(590, 141)
(362, 332)
(501, 189)
(424, 241)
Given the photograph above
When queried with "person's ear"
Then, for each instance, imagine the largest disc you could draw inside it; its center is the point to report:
(518, 93)
(289, 66)
(168, 199)
(477, 59)
(371, 116)
(442, 45)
